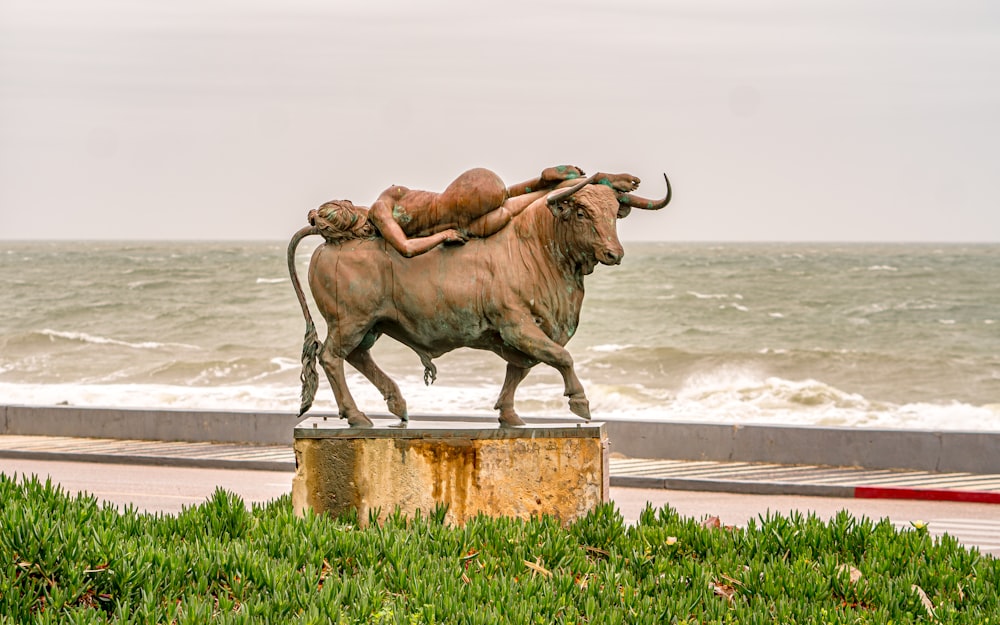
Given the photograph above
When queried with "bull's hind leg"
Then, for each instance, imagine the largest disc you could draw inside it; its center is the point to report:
(333, 365)
(361, 359)
(505, 403)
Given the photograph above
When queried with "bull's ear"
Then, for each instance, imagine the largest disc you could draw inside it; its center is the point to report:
(623, 210)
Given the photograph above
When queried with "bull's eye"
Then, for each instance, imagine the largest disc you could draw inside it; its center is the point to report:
(580, 214)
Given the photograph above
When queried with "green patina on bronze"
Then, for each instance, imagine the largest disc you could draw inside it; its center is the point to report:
(400, 215)
(369, 341)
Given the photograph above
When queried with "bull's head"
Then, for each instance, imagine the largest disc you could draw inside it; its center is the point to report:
(592, 206)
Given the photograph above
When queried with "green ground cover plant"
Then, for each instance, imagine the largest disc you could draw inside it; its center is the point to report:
(69, 559)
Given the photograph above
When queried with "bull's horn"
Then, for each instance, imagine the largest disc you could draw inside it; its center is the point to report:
(555, 198)
(635, 201)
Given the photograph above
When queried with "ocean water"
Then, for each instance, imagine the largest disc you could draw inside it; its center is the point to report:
(858, 335)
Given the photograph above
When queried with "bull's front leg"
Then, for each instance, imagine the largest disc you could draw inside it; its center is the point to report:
(529, 339)
(505, 403)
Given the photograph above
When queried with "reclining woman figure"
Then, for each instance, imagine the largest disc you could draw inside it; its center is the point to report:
(476, 204)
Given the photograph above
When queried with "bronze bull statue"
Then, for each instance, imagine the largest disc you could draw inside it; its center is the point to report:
(516, 293)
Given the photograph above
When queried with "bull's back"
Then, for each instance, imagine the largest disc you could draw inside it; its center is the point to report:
(436, 301)
(351, 281)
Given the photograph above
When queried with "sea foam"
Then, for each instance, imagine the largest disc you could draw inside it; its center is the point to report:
(744, 399)
(83, 337)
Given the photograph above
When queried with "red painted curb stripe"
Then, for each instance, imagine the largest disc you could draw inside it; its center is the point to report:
(925, 494)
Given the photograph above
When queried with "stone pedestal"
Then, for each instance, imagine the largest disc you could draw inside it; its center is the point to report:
(472, 466)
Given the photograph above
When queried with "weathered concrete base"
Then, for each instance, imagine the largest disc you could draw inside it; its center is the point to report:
(472, 467)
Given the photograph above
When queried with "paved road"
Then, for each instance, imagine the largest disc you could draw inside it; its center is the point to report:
(151, 488)
(168, 489)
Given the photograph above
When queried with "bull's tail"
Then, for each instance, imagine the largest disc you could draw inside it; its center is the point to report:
(311, 344)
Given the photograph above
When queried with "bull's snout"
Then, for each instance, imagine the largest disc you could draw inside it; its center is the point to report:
(611, 256)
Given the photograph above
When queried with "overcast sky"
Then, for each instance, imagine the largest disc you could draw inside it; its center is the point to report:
(776, 120)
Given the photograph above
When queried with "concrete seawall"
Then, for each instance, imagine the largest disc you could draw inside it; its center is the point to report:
(922, 450)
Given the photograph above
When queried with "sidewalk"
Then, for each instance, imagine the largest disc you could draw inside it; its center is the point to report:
(155, 453)
(728, 477)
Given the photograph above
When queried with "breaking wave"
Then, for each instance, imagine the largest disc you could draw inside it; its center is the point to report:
(83, 337)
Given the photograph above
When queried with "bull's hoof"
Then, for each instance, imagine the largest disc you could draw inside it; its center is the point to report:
(580, 406)
(357, 419)
(509, 418)
(397, 406)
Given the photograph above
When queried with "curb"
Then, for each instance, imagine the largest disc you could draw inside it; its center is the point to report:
(806, 490)
(929, 494)
(722, 486)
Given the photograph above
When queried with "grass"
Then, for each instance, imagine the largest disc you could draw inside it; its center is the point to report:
(68, 559)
